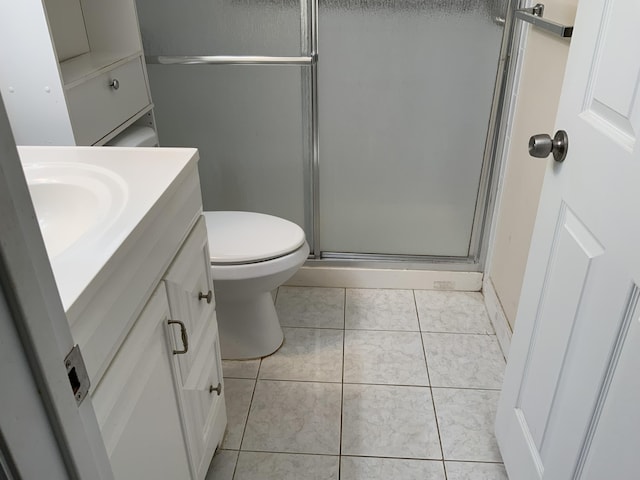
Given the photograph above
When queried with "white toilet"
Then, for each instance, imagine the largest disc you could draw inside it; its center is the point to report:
(251, 255)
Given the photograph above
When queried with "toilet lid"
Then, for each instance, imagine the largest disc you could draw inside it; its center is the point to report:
(246, 237)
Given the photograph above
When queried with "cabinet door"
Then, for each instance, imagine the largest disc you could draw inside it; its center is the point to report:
(136, 404)
(198, 372)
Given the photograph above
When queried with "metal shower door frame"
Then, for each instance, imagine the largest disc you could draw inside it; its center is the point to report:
(487, 187)
(309, 90)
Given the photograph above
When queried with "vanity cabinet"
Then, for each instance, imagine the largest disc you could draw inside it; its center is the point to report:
(161, 398)
(73, 71)
(124, 288)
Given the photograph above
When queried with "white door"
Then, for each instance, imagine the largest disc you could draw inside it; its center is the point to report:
(570, 406)
(44, 433)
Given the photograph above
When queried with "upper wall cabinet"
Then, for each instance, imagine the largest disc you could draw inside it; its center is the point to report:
(72, 72)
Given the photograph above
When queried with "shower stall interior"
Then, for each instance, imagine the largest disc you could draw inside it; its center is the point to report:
(370, 123)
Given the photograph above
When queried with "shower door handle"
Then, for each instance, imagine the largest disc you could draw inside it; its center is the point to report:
(230, 60)
(541, 145)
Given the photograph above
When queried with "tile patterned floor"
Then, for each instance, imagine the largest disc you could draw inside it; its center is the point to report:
(369, 384)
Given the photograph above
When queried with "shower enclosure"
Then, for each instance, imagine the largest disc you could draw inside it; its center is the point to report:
(367, 122)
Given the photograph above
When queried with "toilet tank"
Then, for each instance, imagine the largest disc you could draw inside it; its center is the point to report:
(135, 136)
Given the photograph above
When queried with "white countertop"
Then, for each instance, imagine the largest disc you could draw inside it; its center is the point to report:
(144, 175)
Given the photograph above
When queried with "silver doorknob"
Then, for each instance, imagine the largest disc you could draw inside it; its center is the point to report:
(542, 145)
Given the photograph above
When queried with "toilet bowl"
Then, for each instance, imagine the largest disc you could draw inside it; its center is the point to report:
(251, 255)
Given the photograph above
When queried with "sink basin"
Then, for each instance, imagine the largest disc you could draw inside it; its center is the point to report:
(74, 201)
(94, 204)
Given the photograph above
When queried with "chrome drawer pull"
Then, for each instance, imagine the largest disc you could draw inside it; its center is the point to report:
(218, 389)
(185, 338)
(115, 84)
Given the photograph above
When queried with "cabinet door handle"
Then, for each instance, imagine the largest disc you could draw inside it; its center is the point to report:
(208, 297)
(185, 337)
(115, 84)
(218, 389)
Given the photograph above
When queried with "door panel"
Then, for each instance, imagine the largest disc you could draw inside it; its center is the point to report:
(247, 122)
(402, 129)
(250, 122)
(588, 369)
(615, 111)
(568, 409)
(573, 253)
(602, 454)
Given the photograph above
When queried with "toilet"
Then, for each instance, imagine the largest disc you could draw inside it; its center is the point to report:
(251, 255)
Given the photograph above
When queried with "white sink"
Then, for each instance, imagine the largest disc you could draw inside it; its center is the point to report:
(74, 201)
(94, 203)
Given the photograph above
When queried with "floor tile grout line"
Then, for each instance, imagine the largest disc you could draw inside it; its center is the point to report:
(344, 335)
(240, 378)
(316, 454)
(435, 415)
(487, 462)
(482, 389)
(385, 457)
(434, 332)
(433, 403)
(246, 422)
(478, 334)
(405, 385)
(402, 385)
(277, 452)
(235, 467)
(307, 327)
(255, 380)
(424, 351)
(428, 459)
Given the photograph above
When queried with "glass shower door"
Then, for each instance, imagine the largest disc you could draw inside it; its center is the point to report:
(405, 96)
(232, 78)
(378, 150)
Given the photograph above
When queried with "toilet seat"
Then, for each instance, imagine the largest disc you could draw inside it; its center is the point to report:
(237, 238)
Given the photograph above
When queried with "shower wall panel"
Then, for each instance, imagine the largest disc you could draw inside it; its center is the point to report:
(247, 123)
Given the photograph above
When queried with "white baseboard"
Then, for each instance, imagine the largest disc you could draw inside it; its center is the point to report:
(345, 277)
(497, 316)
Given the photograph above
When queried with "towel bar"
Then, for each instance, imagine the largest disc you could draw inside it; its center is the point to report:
(534, 16)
